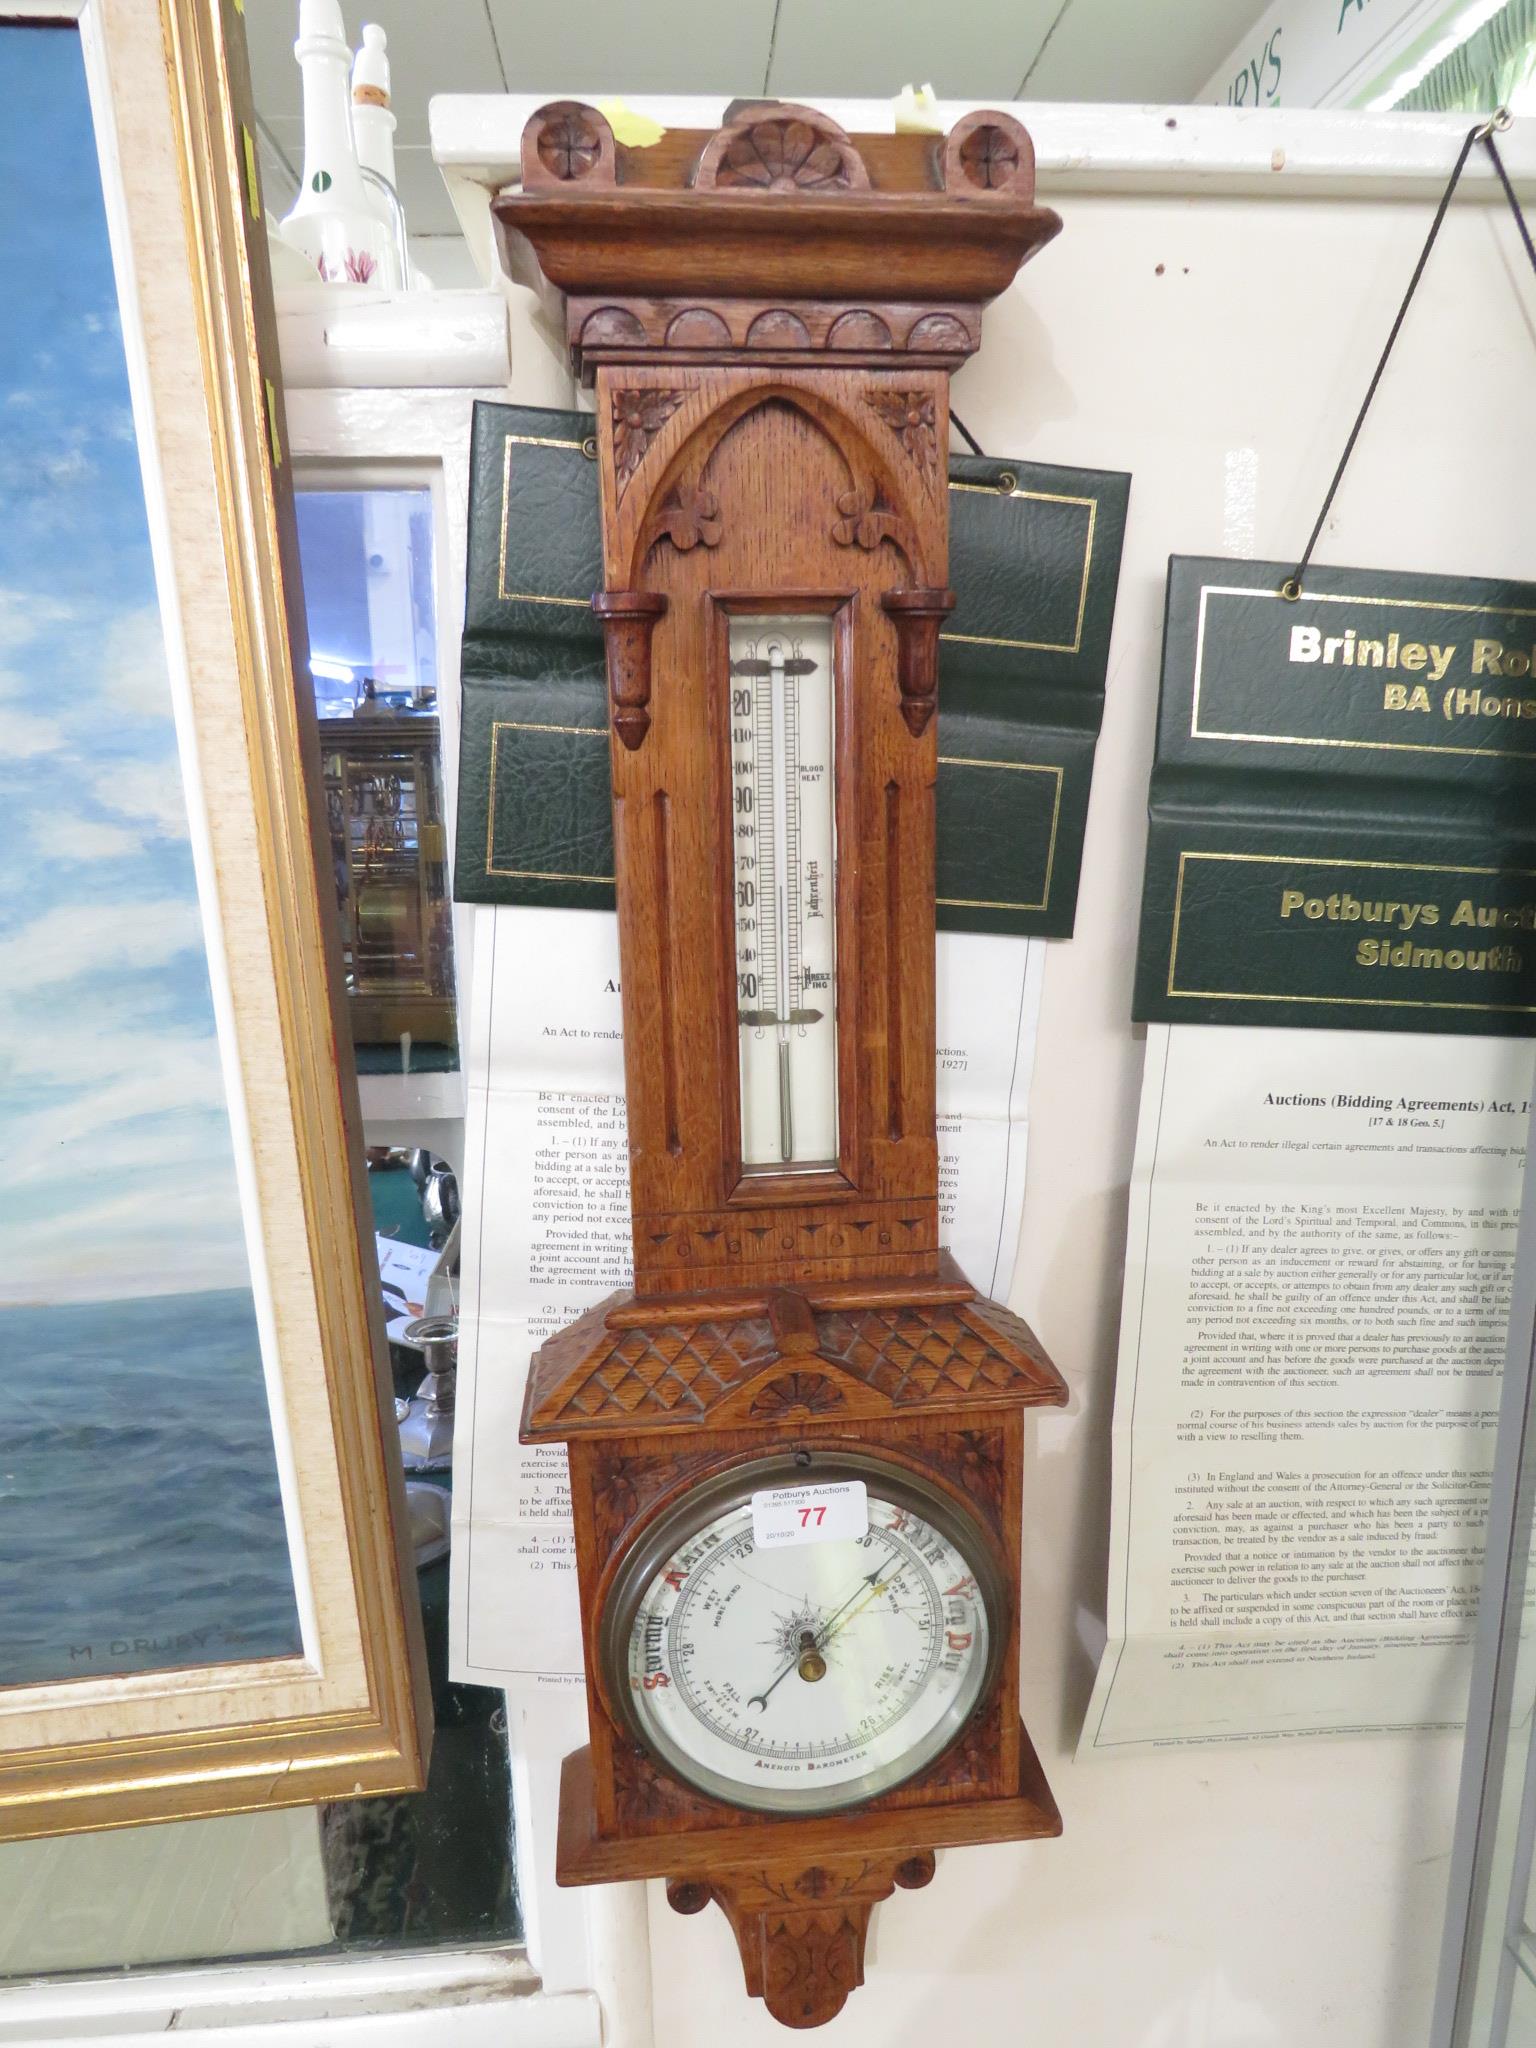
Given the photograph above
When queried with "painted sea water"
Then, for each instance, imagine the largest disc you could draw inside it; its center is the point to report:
(140, 1524)
(140, 1521)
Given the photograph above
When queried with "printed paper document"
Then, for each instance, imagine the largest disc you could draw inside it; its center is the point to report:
(1322, 1228)
(547, 1229)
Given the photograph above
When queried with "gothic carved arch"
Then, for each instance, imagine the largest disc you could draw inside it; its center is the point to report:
(874, 504)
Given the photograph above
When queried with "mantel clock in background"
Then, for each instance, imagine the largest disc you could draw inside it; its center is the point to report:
(796, 1446)
(389, 858)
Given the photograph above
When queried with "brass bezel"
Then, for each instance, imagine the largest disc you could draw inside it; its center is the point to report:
(674, 1523)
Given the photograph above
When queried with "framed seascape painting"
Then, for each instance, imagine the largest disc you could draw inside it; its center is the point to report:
(204, 1602)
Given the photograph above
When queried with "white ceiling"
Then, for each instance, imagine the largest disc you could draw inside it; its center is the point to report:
(794, 49)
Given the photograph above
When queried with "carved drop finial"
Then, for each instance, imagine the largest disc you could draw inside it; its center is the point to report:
(629, 619)
(917, 616)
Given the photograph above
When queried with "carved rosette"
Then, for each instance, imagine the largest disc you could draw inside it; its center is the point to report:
(986, 154)
(624, 1484)
(989, 157)
(917, 616)
(911, 418)
(567, 143)
(638, 416)
(615, 1496)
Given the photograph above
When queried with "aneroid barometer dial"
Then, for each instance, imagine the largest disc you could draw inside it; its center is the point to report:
(812, 1672)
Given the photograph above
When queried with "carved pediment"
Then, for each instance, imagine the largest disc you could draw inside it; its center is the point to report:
(776, 234)
(613, 1372)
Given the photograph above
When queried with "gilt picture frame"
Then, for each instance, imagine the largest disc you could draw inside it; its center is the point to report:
(209, 1599)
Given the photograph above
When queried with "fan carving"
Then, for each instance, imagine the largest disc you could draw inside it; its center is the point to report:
(783, 149)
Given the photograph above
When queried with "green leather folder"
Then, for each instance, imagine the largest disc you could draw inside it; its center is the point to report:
(1343, 803)
(1034, 561)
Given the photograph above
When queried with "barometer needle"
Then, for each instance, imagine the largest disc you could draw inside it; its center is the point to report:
(864, 1591)
(883, 1587)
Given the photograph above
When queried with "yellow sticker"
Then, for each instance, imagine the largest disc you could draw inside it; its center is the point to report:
(252, 175)
(276, 444)
(636, 131)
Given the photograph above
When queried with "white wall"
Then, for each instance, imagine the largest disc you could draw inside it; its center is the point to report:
(1330, 53)
(1211, 331)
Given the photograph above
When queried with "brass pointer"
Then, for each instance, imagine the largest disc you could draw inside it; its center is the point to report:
(867, 1589)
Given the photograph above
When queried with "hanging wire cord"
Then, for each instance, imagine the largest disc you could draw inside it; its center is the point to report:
(965, 433)
(1483, 133)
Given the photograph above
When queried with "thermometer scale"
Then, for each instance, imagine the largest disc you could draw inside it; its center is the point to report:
(782, 840)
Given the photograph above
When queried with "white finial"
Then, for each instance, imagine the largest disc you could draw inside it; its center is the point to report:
(370, 73)
(334, 221)
(322, 32)
(373, 125)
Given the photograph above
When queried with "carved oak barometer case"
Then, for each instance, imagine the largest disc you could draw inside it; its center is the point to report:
(796, 1446)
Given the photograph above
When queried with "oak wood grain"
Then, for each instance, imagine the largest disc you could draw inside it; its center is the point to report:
(583, 1857)
(778, 232)
(769, 313)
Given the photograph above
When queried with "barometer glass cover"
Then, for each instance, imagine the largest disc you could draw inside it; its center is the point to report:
(813, 1676)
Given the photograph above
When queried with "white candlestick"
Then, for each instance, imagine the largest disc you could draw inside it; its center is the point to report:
(332, 221)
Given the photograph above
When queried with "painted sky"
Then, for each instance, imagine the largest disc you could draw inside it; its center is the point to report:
(115, 1162)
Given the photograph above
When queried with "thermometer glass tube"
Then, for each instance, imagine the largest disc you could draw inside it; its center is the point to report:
(782, 820)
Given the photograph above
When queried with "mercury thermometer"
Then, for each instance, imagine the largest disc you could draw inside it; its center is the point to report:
(782, 813)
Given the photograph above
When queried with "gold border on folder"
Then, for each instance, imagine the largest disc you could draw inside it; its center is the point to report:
(527, 596)
(1307, 860)
(1287, 739)
(1039, 646)
(1027, 768)
(498, 727)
